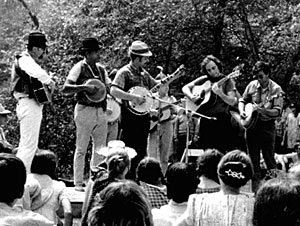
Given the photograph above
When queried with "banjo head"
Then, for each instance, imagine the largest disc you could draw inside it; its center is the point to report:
(115, 109)
(145, 107)
(100, 94)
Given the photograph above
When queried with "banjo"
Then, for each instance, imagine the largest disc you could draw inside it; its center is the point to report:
(100, 94)
(113, 109)
(145, 107)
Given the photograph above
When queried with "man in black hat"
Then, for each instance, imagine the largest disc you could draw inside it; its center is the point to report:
(266, 97)
(134, 127)
(89, 80)
(27, 76)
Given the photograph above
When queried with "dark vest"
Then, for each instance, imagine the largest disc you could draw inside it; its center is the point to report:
(86, 74)
(20, 81)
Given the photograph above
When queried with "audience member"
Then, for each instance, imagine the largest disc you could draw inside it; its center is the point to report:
(207, 165)
(118, 165)
(53, 193)
(3, 121)
(121, 203)
(181, 182)
(13, 173)
(292, 129)
(229, 206)
(151, 179)
(277, 203)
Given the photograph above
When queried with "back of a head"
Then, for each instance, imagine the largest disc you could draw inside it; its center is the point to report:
(122, 204)
(13, 177)
(181, 181)
(207, 164)
(149, 170)
(277, 203)
(117, 161)
(44, 162)
(235, 169)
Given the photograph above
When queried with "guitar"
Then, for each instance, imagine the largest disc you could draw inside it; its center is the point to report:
(144, 108)
(203, 92)
(252, 114)
(164, 114)
(42, 94)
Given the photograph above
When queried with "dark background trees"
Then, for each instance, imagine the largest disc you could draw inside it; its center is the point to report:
(178, 32)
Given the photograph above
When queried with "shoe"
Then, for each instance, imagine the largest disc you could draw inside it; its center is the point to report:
(79, 188)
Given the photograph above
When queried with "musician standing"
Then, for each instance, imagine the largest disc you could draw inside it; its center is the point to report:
(161, 135)
(89, 116)
(26, 67)
(266, 95)
(214, 133)
(134, 128)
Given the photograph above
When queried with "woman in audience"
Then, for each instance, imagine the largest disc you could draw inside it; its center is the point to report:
(121, 204)
(118, 164)
(229, 206)
(207, 166)
(181, 182)
(151, 179)
(53, 193)
(277, 203)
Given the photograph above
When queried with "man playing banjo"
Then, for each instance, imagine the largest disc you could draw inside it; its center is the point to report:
(89, 80)
(134, 126)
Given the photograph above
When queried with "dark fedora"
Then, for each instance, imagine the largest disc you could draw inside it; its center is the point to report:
(89, 44)
(37, 39)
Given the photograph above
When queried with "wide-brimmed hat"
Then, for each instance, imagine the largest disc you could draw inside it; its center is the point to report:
(140, 48)
(37, 39)
(3, 111)
(89, 44)
(114, 145)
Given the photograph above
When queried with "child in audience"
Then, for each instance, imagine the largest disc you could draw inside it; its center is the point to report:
(151, 179)
(13, 175)
(53, 193)
(207, 166)
(121, 203)
(181, 182)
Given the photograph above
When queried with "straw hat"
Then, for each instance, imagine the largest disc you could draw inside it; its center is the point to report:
(140, 48)
(114, 145)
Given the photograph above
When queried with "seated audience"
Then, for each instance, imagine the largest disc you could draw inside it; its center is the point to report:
(181, 181)
(207, 166)
(230, 206)
(3, 121)
(277, 203)
(118, 165)
(121, 203)
(13, 174)
(53, 193)
(150, 178)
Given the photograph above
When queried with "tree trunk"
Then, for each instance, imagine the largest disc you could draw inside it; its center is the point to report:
(32, 15)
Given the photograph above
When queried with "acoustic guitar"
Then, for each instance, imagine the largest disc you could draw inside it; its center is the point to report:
(164, 114)
(252, 114)
(42, 94)
(203, 92)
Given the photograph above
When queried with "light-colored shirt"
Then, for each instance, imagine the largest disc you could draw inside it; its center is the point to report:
(76, 70)
(168, 214)
(218, 209)
(17, 216)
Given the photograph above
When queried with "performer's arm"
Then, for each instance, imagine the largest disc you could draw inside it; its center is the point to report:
(70, 86)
